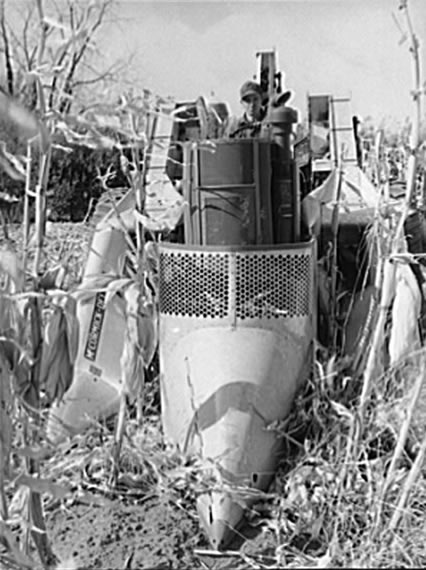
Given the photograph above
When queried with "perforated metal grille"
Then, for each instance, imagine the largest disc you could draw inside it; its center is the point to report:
(240, 285)
(273, 285)
(194, 284)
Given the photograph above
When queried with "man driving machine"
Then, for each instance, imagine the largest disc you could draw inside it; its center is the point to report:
(249, 124)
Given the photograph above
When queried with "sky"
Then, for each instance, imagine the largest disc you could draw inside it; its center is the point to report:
(338, 47)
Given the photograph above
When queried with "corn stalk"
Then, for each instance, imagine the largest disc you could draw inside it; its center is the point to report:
(408, 485)
(27, 195)
(388, 286)
(387, 294)
(419, 358)
(46, 363)
(6, 404)
(134, 359)
(335, 233)
(35, 510)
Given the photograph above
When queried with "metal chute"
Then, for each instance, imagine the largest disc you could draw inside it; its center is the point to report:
(94, 392)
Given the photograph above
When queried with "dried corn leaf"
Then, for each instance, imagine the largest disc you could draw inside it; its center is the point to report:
(53, 278)
(37, 453)
(18, 505)
(93, 284)
(19, 556)
(38, 485)
(140, 339)
(6, 406)
(23, 120)
(148, 331)
(11, 266)
(60, 344)
(114, 287)
(132, 364)
(69, 307)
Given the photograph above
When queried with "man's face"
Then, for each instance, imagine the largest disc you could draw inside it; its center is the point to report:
(252, 105)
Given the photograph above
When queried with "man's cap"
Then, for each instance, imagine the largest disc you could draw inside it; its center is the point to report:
(250, 88)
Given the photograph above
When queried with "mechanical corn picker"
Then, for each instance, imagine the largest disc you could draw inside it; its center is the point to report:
(237, 309)
(237, 300)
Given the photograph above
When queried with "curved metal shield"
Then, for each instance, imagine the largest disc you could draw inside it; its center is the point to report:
(95, 389)
(236, 336)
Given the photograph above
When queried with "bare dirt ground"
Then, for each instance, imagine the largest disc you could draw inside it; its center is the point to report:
(154, 534)
(118, 535)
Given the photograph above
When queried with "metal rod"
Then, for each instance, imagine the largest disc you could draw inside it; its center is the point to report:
(187, 194)
(256, 164)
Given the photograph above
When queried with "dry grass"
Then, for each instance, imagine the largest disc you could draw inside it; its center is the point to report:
(322, 508)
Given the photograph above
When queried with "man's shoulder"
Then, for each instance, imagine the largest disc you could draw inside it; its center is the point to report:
(233, 123)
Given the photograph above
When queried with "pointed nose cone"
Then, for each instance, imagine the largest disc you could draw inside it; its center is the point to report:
(220, 517)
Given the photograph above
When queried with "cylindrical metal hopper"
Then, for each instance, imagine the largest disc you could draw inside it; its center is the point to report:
(229, 196)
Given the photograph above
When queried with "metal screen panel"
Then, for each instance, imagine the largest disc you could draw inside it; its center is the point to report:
(270, 285)
(194, 284)
(237, 284)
